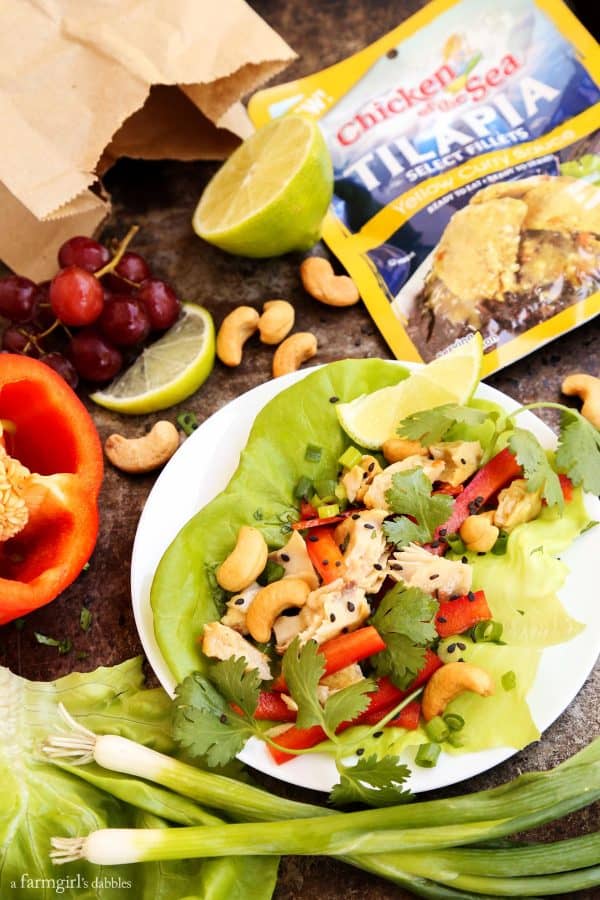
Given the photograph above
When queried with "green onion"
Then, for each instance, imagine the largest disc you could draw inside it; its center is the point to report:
(350, 457)
(455, 739)
(326, 489)
(85, 619)
(303, 488)
(509, 681)
(188, 422)
(316, 501)
(64, 646)
(427, 755)
(313, 453)
(487, 632)
(330, 509)
(272, 572)
(456, 544)
(437, 729)
(499, 548)
(454, 721)
(341, 492)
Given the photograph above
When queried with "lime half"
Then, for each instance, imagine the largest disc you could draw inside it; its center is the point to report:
(169, 370)
(373, 418)
(272, 194)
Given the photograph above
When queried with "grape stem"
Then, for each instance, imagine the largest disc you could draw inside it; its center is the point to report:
(112, 264)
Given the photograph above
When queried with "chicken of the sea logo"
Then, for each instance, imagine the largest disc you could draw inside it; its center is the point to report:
(459, 57)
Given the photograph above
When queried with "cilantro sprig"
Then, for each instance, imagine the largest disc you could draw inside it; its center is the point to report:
(405, 619)
(410, 494)
(373, 781)
(539, 474)
(431, 425)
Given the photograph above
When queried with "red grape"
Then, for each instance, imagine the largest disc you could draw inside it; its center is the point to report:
(62, 365)
(133, 267)
(93, 357)
(124, 321)
(17, 298)
(160, 302)
(15, 340)
(76, 296)
(83, 252)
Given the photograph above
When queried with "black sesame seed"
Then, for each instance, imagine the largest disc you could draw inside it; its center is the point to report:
(480, 553)
(369, 525)
(365, 475)
(360, 751)
(371, 467)
(434, 576)
(471, 597)
(324, 562)
(334, 399)
(284, 557)
(239, 601)
(313, 538)
(355, 516)
(223, 719)
(441, 619)
(338, 562)
(377, 566)
(377, 734)
(479, 500)
(344, 631)
(435, 544)
(460, 659)
(465, 559)
(396, 567)
(451, 648)
(351, 606)
(461, 646)
(463, 460)
(443, 532)
(332, 617)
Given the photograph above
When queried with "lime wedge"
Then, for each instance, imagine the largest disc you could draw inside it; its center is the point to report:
(373, 418)
(169, 370)
(272, 194)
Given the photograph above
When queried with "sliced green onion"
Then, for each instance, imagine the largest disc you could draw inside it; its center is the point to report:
(188, 422)
(455, 739)
(456, 544)
(427, 755)
(272, 572)
(454, 721)
(509, 681)
(437, 729)
(350, 457)
(316, 501)
(340, 492)
(499, 548)
(326, 489)
(487, 632)
(303, 488)
(313, 453)
(330, 509)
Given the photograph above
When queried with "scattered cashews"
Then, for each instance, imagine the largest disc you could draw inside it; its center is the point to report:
(145, 453)
(451, 680)
(295, 350)
(587, 388)
(321, 282)
(276, 321)
(270, 602)
(245, 562)
(478, 533)
(397, 449)
(236, 328)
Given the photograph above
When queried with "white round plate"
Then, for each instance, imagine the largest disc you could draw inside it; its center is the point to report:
(215, 447)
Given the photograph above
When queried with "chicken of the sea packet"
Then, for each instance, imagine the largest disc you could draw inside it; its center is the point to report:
(466, 158)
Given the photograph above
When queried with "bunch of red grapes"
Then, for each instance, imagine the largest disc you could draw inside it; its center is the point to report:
(93, 317)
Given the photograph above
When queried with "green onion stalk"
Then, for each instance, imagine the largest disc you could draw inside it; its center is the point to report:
(357, 838)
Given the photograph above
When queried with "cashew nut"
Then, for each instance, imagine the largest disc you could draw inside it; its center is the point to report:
(451, 680)
(478, 533)
(245, 562)
(276, 321)
(587, 388)
(397, 449)
(323, 284)
(236, 328)
(270, 602)
(145, 453)
(295, 350)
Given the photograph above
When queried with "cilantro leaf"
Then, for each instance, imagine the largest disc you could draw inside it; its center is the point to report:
(410, 494)
(538, 472)
(236, 684)
(578, 454)
(405, 621)
(430, 425)
(347, 704)
(372, 781)
(303, 668)
(204, 723)
(402, 532)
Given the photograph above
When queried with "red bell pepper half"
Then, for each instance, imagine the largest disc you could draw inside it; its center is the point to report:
(456, 616)
(46, 429)
(497, 473)
(324, 553)
(345, 650)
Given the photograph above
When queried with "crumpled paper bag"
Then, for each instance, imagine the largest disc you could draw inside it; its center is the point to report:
(83, 83)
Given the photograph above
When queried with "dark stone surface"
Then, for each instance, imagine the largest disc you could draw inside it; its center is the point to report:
(161, 197)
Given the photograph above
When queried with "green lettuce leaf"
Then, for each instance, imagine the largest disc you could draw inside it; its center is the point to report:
(183, 596)
(40, 800)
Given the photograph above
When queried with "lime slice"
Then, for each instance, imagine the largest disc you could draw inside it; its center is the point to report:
(373, 418)
(272, 194)
(169, 370)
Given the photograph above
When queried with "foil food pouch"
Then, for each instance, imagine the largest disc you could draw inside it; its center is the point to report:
(467, 174)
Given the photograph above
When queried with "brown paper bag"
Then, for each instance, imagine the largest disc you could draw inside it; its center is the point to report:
(82, 84)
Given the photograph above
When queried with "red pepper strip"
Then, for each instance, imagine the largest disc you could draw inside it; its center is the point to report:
(501, 469)
(325, 554)
(386, 696)
(407, 718)
(307, 510)
(456, 616)
(271, 708)
(444, 487)
(303, 524)
(344, 650)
